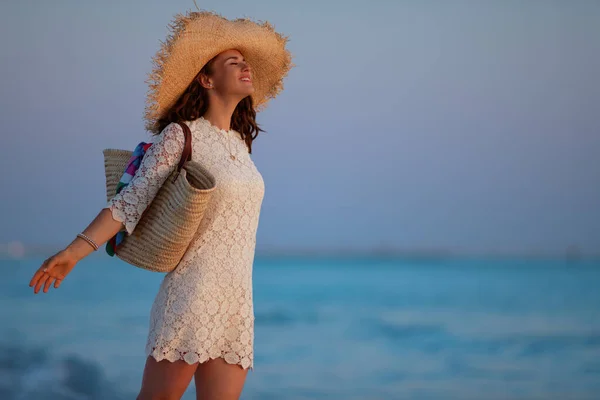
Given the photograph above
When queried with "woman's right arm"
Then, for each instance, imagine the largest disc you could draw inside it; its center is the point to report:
(57, 267)
(122, 211)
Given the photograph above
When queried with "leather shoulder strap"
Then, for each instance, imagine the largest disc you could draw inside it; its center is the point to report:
(186, 155)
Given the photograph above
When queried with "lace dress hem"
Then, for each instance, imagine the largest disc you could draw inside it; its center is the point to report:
(191, 357)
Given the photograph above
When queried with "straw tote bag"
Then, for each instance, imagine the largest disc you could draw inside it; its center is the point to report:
(171, 220)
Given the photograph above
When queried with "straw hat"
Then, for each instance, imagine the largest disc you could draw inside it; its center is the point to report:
(197, 37)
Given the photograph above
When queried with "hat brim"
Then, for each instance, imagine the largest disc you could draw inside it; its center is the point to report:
(197, 37)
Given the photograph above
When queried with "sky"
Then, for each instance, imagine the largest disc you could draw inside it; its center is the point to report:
(465, 126)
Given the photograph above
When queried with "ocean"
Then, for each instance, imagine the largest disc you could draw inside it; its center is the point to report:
(326, 328)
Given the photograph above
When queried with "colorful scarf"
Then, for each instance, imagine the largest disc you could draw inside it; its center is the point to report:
(132, 166)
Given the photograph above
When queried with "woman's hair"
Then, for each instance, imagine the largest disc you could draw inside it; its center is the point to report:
(193, 103)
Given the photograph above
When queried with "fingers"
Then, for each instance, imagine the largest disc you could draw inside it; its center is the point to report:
(45, 276)
(41, 282)
(39, 273)
(48, 283)
(46, 280)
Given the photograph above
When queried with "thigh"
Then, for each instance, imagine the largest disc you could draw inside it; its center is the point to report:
(216, 379)
(165, 380)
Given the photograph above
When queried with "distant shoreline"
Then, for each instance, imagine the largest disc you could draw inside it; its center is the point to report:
(342, 253)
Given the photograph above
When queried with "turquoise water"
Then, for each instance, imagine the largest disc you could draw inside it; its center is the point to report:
(326, 329)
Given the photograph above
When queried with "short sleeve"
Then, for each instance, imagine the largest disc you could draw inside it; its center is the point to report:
(159, 161)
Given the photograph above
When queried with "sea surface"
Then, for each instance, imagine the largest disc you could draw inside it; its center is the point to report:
(326, 328)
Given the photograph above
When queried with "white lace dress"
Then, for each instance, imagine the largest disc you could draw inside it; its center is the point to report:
(204, 308)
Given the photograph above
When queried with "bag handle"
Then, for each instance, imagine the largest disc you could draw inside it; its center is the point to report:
(186, 154)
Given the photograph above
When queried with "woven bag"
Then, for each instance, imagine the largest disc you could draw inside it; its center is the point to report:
(171, 220)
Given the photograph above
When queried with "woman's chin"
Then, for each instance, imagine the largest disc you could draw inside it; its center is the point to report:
(248, 91)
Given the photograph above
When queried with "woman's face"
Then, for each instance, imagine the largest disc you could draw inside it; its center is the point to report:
(232, 75)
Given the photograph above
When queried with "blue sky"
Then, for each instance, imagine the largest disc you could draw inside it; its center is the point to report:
(460, 125)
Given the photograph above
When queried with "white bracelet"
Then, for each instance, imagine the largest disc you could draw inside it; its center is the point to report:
(87, 239)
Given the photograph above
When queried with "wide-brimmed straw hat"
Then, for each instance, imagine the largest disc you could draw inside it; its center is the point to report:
(194, 39)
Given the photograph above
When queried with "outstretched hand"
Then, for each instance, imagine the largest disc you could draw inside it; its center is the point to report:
(53, 270)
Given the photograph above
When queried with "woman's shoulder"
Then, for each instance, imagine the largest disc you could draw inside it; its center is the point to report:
(172, 131)
(200, 131)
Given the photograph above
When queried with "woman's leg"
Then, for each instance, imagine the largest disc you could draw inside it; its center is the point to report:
(165, 380)
(217, 380)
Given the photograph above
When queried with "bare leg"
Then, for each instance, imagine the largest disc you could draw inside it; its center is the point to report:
(217, 380)
(165, 380)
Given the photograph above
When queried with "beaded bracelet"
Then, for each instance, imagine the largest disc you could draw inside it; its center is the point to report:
(87, 239)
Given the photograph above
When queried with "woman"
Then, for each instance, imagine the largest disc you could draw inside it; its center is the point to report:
(212, 74)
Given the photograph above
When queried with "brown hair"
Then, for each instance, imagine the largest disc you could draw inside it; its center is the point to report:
(193, 103)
